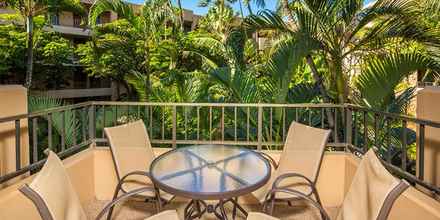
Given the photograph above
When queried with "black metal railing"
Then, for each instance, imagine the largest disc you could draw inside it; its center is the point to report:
(399, 140)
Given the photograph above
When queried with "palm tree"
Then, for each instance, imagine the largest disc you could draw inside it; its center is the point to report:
(147, 27)
(29, 9)
(224, 61)
(219, 21)
(179, 4)
(339, 31)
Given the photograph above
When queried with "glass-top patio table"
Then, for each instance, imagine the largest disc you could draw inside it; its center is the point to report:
(210, 172)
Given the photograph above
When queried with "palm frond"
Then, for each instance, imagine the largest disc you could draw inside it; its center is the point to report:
(303, 93)
(266, 20)
(286, 59)
(66, 127)
(123, 9)
(139, 82)
(381, 75)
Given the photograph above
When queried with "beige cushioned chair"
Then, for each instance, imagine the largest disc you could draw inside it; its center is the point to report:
(371, 195)
(172, 215)
(299, 164)
(53, 194)
(132, 155)
(373, 191)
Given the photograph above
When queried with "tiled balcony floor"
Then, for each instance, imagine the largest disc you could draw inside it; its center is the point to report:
(136, 210)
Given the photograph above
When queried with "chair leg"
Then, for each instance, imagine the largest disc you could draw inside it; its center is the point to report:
(272, 204)
(115, 195)
(158, 200)
(318, 200)
(234, 209)
(315, 192)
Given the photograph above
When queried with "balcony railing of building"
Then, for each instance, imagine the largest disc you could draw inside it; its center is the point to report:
(69, 129)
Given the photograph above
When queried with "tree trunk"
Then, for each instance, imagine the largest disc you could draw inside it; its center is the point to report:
(29, 51)
(147, 72)
(179, 3)
(340, 79)
(319, 83)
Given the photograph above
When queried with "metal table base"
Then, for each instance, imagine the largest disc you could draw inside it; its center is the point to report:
(197, 208)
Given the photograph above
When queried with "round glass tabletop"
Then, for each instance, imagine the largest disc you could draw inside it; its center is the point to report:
(210, 172)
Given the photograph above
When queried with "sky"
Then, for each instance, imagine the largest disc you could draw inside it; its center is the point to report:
(192, 5)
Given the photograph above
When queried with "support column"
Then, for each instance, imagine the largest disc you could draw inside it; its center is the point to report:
(428, 107)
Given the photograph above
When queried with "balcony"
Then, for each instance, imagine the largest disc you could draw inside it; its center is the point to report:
(75, 132)
(69, 30)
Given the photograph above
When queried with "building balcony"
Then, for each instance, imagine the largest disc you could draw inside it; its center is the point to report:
(69, 30)
(76, 133)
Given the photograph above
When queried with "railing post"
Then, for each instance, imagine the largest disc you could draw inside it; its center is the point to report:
(49, 131)
(92, 122)
(421, 155)
(34, 140)
(260, 127)
(17, 145)
(349, 126)
(63, 130)
(404, 143)
(174, 127)
(365, 147)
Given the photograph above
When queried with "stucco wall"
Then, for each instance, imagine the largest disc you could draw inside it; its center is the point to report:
(99, 182)
(13, 101)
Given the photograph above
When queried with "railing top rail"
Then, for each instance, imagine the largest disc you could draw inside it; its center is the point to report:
(430, 123)
(44, 112)
(266, 105)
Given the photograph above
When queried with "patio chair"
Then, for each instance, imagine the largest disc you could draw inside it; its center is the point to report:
(172, 215)
(299, 164)
(132, 155)
(371, 195)
(52, 192)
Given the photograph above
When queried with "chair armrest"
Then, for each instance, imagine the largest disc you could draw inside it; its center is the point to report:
(121, 198)
(271, 196)
(282, 177)
(134, 173)
(269, 158)
(138, 172)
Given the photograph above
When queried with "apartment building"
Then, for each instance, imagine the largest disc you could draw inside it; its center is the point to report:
(72, 27)
(70, 24)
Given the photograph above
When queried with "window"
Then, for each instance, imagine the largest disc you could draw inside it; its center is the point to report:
(54, 19)
(76, 20)
(98, 20)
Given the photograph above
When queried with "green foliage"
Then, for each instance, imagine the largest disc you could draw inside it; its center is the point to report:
(345, 29)
(12, 48)
(52, 53)
(69, 127)
(30, 9)
(379, 79)
(219, 20)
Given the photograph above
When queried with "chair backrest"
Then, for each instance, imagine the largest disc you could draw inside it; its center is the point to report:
(303, 151)
(53, 194)
(130, 146)
(373, 191)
